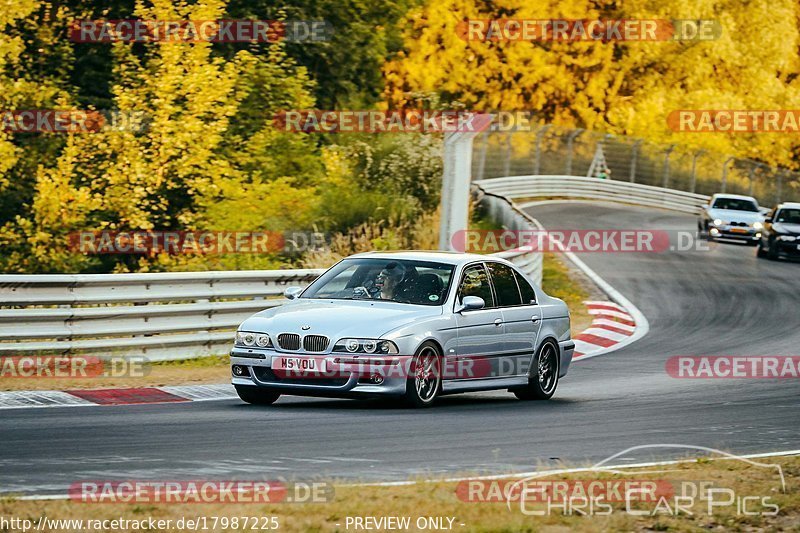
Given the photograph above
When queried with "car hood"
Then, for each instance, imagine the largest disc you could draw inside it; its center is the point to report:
(338, 318)
(732, 215)
(783, 227)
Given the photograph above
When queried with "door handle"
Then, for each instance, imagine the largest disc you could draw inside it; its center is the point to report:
(535, 319)
(498, 322)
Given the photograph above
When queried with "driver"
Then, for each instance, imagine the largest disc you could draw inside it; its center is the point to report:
(388, 280)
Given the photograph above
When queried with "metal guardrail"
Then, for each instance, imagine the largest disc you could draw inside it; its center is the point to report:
(517, 187)
(160, 316)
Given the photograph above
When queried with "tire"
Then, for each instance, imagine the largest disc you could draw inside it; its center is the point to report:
(772, 253)
(256, 395)
(760, 251)
(544, 384)
(424, 382)
(700, 233)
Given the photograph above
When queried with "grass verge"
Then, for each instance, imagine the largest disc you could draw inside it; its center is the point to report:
(197, 371)
(753, 500)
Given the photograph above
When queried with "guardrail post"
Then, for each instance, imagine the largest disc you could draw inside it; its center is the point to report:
(634, 159)
(455, 185)
(482, 156)
(507, 162)
(725, 173)
(669, 150)
(751, 176)
(694, 169)
(570, 143)
(539, 135)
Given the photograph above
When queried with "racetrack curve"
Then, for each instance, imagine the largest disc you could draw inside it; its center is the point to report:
(722, 301)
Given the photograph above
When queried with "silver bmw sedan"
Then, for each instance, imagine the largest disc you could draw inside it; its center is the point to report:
(409, 325)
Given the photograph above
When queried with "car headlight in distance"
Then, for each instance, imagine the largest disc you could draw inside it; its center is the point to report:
(717, 222)
(758, 225)
(787, 238)
(376, 346)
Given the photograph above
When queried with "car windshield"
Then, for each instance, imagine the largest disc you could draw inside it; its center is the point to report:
(396, 280)
(788, 216)
(735, 204)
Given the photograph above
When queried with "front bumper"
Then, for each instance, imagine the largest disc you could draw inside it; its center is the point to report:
(788, 248)
(339, 379)
(739, 233)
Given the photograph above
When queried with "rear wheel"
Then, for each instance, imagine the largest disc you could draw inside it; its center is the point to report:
(541, 385)
(425, 377)
(256, 395)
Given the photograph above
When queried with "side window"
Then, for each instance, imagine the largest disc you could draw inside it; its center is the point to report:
(505, 286)
(528, 294)
(475, 282)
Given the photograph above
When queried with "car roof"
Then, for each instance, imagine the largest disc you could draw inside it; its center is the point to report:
(791, 205)
(451, 258)
(734, 196)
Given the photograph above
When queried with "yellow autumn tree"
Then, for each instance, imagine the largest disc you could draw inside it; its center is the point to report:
(620, 87)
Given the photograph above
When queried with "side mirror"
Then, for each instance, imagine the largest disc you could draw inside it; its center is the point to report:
(471, 303)
(292, 292)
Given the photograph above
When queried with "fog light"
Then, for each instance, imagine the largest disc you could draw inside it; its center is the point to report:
(714, 231)
(239, 370)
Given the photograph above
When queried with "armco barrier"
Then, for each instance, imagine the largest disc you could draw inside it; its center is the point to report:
(160, 316)
(517, 187)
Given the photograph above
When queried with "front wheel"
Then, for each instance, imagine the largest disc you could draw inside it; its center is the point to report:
(425, 377)
(256, 395)
(541, 385)
(772, 251)
(760, 252)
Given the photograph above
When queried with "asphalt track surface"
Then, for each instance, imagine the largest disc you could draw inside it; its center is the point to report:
(722, 301)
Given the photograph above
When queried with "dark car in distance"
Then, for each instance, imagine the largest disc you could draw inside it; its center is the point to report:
(781, 233)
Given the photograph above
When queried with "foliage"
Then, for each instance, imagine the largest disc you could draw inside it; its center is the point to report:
(621, 87)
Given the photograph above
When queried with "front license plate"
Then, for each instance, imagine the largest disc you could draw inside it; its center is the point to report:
(738, 230)
(298, 364)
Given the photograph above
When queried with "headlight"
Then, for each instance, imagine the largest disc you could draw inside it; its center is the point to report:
(787, 238)
(248, 338)
(263, 340)
(758, 225)
(352, 345)
(375, 346)
(717, 222)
